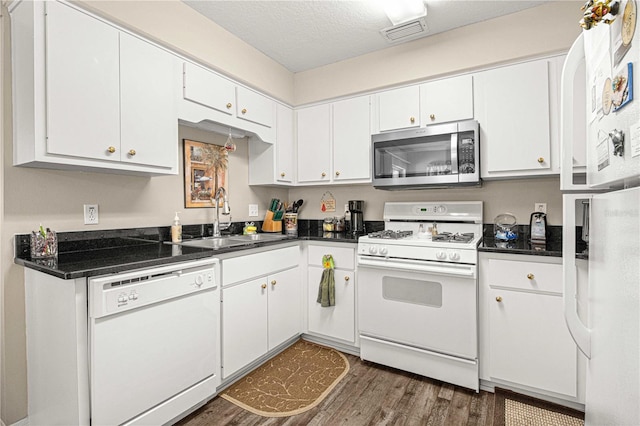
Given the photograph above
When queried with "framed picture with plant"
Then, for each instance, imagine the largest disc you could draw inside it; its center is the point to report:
(206, 168)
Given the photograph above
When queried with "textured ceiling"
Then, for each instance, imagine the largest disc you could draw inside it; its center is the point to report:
(305, 34)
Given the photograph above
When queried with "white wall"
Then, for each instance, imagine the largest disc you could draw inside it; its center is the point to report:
(55, 198)
(538, 31)
(179, 27)
(497, 196)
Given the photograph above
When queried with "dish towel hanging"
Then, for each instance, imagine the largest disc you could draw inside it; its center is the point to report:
(327, 289)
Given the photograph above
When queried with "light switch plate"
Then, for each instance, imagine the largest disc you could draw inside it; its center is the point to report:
(253, 210)
(541, 207)
(91, 214)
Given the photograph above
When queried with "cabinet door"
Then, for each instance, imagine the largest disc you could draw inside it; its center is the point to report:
(512, 107)
(83, 89)
(334, 321)
(284, 144)
(314, 143)
(148, 104)
(285, 306)
(399, 108)
(352, 139)
(244, 324)
(254, 107)
(450, 99)
(529, 341)
(209, 89)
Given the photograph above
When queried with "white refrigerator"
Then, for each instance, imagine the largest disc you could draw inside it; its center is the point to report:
(603, 314)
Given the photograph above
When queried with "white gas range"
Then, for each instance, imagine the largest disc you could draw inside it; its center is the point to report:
(417, 292)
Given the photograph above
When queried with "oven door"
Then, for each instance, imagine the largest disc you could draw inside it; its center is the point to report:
(427, 305)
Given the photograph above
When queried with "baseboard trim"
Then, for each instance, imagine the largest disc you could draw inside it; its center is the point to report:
(490, 386)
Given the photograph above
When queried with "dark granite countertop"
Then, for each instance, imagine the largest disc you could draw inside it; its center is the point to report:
(119, 258)
(523, 245)
(93, 253)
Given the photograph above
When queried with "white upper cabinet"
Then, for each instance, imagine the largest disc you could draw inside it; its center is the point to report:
(210, 96)
(334, 142)
(313, 137)
(273, 164)
(398, 108)
(254, 107)
(285, 145)
(99, 98)
(512, 105)
(209, 89)
(82, 98)
(440, 101)
(352, 139)
(148, 103)
(449, 99)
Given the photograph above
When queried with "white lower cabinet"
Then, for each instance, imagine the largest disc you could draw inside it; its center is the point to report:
(260, 313)
(339, 321)
(524, 340)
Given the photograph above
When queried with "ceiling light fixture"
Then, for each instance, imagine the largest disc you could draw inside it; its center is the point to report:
(399, 11)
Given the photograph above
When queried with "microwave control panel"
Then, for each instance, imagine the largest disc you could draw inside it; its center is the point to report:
(466, 153)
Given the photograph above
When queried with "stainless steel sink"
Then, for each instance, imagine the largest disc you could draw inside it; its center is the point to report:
(231, 240)
(259, 237)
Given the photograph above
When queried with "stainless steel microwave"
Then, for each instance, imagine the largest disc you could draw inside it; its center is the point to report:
(442, 155)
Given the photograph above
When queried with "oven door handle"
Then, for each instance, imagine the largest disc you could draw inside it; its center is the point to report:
(411, 265)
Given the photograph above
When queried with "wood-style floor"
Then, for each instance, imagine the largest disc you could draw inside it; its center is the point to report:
(370, 394)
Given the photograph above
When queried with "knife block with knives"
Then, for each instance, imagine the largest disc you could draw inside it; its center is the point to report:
(273, 217)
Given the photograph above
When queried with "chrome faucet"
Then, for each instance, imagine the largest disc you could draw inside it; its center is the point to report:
(226, 210)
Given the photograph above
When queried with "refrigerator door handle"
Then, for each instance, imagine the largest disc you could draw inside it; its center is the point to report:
(572, 63)
(579, 332)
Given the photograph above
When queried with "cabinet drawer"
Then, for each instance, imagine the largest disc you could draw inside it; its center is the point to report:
(242, 268)
(525, 275)
(343, 257)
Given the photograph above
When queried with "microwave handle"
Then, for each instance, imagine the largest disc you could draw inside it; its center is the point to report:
(454, 153)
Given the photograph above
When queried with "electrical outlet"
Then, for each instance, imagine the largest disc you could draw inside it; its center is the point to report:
(253, 210)
(90, 214)
(541, 207)
(346, 207)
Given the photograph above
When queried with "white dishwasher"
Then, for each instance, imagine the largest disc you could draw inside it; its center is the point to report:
(153, 342)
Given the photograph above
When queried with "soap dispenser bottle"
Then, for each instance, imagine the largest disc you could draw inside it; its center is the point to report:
(176, 230)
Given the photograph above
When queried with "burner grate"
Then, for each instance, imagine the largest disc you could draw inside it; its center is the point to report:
(388, 234)
(454, 238)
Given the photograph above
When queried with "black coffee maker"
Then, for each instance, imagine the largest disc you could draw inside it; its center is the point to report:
(356, 225)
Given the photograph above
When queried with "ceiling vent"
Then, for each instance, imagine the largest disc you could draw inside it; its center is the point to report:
(406, 31)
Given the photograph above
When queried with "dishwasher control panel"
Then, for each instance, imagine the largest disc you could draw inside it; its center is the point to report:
(122, 292)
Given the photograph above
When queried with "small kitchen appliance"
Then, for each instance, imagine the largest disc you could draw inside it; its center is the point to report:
(538, 228)
(441, 155)
(356, 208)
(417, 292)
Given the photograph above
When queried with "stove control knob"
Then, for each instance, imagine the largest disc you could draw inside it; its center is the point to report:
(383, 250)
(441, 209)
(373, 250)
(441, 255)
(454, 255)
